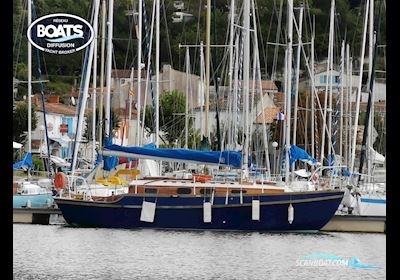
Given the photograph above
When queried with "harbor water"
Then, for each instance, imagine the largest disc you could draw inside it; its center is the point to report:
(63, 252)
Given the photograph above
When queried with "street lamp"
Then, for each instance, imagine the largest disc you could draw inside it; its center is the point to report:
(275, 145)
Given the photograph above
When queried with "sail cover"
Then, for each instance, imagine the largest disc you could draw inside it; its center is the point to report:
(227, 158)
(26, 162)
(297, 153)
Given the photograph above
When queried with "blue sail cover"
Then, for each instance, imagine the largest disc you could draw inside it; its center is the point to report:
(27, 161)
(297, 153)
(230, 158)
(109, 161)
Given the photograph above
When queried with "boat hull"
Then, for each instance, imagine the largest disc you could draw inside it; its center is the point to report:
(312, 210)
(36, 200)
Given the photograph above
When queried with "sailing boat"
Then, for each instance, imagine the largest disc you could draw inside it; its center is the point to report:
(200, 202)
(28, 193)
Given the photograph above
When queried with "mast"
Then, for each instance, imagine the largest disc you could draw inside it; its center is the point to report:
(245, 87)
(108, 64)
(85, 87)
(353, 154)
(296, 98)
(94, 96)
(130, 106)
(201, 87)
(341, 99)
(230, 73)
(288, 90)
(139, 69)
(187, 100)
(103, 38)
(350, 112)
(326, 81)
(312, 95)
(208, 30)
(369, 115)
(348, 93)
(157, 71)
(215, 71)
(258, 67)
(29, 83)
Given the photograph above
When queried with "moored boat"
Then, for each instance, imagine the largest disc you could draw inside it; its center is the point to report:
(190, 205)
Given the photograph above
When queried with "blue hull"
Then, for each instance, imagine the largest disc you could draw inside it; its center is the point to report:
(312, 210)
(37, 201)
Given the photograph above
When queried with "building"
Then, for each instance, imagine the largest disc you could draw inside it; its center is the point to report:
(61, 126)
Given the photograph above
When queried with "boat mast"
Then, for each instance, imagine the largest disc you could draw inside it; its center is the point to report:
(187, 99)
(157, 72)
(312, 93)
(296, 98)
(341, 100)
(369, 114)
(29, 84)
(348, 94)
(230, 73)
(208, 30)
(328, 70)
(245, 86)
(94, 85)
(288, 90)
(353, 154)
(130, 107)
(84, 93)
(108, 70)
(103, 36)
(139, 69)
(370, 62)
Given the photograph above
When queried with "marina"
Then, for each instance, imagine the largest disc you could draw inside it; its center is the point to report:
(165, 139)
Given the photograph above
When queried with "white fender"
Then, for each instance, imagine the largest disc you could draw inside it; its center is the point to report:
(290, 213)
(255, 213)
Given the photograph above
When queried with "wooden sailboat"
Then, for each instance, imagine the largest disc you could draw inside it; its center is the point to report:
(200, 202)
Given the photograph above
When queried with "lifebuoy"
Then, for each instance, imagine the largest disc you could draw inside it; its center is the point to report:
(60, 180)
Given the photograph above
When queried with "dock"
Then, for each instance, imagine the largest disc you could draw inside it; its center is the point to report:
(356, 223)
(41, 216)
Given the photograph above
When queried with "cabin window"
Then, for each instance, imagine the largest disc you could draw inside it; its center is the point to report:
(238, 191)
(184, 191)
(322, 79)
(205, 191)
(150, 191)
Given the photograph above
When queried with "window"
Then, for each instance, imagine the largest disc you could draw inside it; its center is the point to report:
(150, 191)
(205, 191)
(184, 191)
(337, 79)
(322, 79)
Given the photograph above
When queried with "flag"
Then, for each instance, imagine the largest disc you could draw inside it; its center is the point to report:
(281, 116)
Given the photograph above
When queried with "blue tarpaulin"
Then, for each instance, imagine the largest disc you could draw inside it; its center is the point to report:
(230, 158)
(109, 161)
(26, 162)
(297, 153)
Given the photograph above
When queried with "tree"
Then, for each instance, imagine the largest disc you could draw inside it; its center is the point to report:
(172, 117)
(20, 120)
(115, 119)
